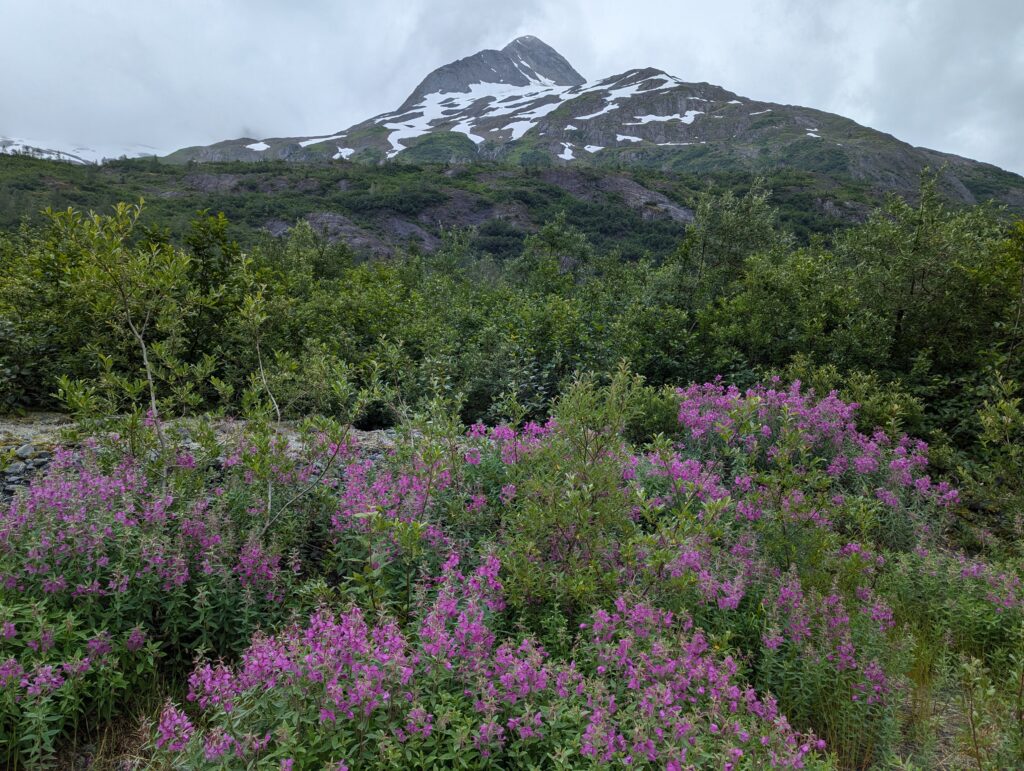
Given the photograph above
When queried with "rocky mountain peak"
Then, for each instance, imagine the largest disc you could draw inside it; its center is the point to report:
(546, 64)
(525, 61)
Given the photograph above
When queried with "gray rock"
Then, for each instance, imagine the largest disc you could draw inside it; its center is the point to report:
(522, 62)
(212, 183)
(25, 452)
(336, 227)
(15, 469)
(407, 231)
(276, 228)
(545, 62)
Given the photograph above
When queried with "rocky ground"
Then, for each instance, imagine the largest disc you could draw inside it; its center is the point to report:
(26, 446)
(27, 443)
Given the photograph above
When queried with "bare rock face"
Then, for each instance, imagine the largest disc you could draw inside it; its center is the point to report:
(277, 228)
(526, 60)
(404, 231)
(536, 56)
(212, 183)
(336, 227)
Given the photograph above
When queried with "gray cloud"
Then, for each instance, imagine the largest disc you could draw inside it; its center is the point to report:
(945, 74)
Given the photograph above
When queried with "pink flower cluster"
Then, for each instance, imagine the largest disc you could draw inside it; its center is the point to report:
(820, 629)
(651, 688)
(666, 697)
(793, 427)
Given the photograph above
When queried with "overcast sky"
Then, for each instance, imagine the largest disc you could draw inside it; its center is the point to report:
(945, 74)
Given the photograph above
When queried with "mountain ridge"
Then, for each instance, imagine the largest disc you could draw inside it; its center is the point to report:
(526, 105)
(77, 154)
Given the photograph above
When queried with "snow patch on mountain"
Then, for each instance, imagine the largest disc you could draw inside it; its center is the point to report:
(687, 118)
(465, 128)
(519, 128)
(318, 140)
(34, 149)
(604, 110)
(490, 99)
(472, 111)
(78, 154)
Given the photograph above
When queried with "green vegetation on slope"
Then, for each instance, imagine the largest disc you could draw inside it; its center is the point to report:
(395, 204)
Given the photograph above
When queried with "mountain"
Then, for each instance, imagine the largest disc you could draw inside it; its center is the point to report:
(527, 105)
(77, 154)
(33, 149)
(525, 62)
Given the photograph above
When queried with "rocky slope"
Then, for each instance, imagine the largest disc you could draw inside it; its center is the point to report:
(526, 104)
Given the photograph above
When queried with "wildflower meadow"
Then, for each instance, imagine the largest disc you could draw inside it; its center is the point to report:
(764, 586)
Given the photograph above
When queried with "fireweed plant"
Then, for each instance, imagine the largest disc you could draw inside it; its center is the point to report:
(765, 586)
(114, 575)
